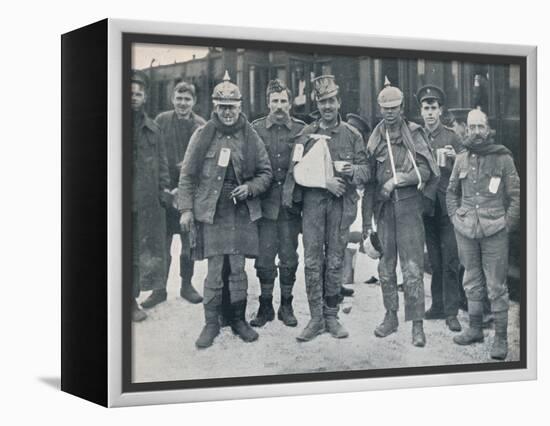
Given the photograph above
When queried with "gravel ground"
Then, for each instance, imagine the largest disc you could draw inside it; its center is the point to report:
(164, 344)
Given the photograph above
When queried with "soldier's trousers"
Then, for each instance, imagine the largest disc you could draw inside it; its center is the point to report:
(443, 254)
(401, 233)
(187, 265)
(278, 237)
(238, 282)
(486, 268)
(324, 244)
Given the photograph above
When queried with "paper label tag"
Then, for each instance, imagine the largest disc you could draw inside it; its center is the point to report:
(494, 184)
(298, 153)
(225, 155)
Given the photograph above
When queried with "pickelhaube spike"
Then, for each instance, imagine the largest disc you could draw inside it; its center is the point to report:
(390, 96)
(226, 92)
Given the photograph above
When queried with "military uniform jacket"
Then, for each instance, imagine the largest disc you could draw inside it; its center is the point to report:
(200, 194)
(176, 133)
(380, 165)
(483, 194)
(440, 138)
(279, 142)
(346, 143)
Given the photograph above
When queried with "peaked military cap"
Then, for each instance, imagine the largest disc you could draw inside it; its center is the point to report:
(140, 77)
(430, 91)
(325, 87)
(226, 93)
(359, 123)
(390, 96)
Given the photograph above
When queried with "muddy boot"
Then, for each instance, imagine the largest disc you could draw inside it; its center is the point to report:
(346, 292)
(332, 324)
(316, 324)
(138, 314)
(453, 323)
(156, 297)
(212, 326)
(265, 312)
(418, 336)
(187, 267)
(188, 292)
(286, 313)
(388, 326)
(473, 333)
(239, 325)
(500, 344)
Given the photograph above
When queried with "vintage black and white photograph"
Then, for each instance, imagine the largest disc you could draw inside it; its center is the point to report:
(307, 210)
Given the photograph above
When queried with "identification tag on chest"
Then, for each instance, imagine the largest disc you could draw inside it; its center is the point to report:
(225, 155)
(298, 153)
(494, 184)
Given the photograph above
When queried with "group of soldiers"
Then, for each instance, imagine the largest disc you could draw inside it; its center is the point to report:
(234, 190)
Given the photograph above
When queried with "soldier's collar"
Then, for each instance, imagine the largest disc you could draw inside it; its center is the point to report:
(435, 131)
(270, 122)
(334, 129)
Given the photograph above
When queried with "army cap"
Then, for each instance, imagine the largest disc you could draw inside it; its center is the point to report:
(140, 77)
(430, 91)
(226, 93)
(360, 123)
(390, 96)
(325, 87)
(276, 86)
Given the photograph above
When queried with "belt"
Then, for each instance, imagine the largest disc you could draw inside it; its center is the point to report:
(404, 193)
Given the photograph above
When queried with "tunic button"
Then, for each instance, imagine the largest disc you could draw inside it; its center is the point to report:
(219, 178)
(477, 206)
(215, 191)
(473, 155)
(474, 181)
(278, 155)
(477, 193)
(473, 168)
(279, 169)
(228, 137)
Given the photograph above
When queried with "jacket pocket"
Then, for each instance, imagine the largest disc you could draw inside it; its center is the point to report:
(209, 163)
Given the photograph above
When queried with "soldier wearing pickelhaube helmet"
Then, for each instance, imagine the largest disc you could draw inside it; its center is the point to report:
(329, 206)
(440, 236)
(403, 168)
(225, 169)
